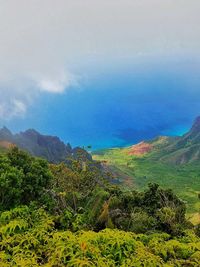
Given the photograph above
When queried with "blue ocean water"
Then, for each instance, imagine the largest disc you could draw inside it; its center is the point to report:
(119, 106)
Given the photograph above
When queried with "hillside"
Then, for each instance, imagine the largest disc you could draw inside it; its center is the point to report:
(45, 146)
(5, 145)
(186, 149)
(173, 150)
(172, 162)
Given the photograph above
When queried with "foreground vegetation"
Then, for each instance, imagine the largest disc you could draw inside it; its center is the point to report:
(30, 238)
(70, 215)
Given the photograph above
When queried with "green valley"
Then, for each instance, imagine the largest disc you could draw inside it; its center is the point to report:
(139, 171)
(173, 162)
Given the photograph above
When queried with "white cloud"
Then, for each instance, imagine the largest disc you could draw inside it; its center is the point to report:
(17, 92)
(43, 42)
(11, 109)
(19, 108)
(52, 86)
(57, 84)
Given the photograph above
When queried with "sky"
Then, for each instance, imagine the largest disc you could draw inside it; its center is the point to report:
(105, 73)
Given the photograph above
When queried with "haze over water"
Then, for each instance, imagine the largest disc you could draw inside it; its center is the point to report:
(120, 106)
(100, 73)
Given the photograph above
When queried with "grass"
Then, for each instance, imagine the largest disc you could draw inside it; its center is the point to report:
(183, 179)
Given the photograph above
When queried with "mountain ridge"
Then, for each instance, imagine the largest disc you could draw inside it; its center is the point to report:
(49, 147)
(171, 149)
(185, 149)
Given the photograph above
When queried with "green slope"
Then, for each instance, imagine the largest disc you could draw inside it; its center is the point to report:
(141, 170)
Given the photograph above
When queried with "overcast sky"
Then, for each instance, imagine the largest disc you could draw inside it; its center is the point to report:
(44, 45)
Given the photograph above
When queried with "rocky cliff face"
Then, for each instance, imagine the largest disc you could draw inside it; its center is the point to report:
(49, 147)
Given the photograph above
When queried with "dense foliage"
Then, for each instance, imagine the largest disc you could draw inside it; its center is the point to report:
(22, 178)
(29, 238)
(70, 215)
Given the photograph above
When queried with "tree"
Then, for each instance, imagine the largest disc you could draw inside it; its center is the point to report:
(23, 178)
(10, 184)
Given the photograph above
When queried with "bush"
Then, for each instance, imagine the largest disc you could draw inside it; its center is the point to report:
(29, 238)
